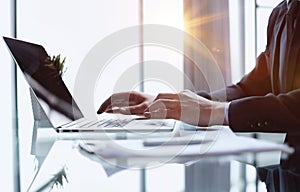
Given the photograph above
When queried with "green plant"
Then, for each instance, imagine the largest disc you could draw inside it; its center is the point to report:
(56, 63)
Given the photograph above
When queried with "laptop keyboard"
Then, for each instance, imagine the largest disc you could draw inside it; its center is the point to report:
(108, 123)
(119, 125)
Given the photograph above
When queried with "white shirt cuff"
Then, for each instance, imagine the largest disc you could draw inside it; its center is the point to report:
(226, 112)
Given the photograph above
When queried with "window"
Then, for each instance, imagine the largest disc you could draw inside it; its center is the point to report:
(256, 19)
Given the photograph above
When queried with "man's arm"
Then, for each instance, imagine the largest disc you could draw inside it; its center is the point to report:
(254, 108)
(256, 83)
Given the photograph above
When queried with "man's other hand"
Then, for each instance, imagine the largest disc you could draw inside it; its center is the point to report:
(129, 103)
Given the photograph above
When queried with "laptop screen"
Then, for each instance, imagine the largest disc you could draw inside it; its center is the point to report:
(45, 81)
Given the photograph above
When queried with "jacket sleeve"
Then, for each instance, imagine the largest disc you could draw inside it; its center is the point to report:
(270, 113)
(256, 83)
(254, 108)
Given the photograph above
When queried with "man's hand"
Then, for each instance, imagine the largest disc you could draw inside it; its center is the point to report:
(129, 103)
(187, 107)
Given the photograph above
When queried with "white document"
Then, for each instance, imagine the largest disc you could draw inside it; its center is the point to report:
(215, 142)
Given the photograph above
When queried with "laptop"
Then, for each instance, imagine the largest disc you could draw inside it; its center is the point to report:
(57, 103)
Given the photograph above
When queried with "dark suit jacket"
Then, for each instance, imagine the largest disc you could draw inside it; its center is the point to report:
(260, 102)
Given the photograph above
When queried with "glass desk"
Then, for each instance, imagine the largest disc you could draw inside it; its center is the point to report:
(45, 157)
(56, 164)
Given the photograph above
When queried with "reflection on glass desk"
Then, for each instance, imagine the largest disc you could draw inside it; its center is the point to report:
(66, 168)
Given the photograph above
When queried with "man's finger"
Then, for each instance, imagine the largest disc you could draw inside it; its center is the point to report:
(133, 110)
(116, 100)
(163, 104)
(157, 114)
(110, 103)
(138, 109)
(128, 110)
(104, 106)
(162, 114)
